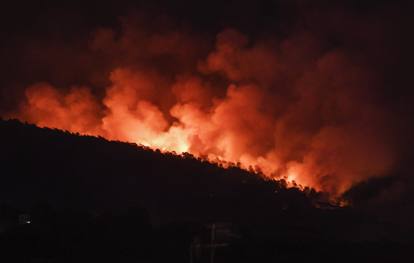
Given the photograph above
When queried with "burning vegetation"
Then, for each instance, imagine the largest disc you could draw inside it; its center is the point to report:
(288, 108)
(306, 104)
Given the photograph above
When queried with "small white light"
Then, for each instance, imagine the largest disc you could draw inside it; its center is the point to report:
(28, 222)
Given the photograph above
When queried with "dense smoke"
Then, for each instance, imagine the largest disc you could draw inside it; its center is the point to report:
(293, 106)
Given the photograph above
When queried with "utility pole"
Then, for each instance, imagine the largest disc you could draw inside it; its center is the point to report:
(212, 245)
(213, 234)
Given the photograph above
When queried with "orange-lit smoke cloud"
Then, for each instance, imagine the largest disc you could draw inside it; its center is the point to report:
(287, 107)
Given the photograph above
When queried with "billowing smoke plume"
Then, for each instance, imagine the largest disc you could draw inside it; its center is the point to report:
(288, 107)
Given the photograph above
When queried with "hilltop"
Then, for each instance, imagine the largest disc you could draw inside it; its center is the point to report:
(64, 169)
(88, 198)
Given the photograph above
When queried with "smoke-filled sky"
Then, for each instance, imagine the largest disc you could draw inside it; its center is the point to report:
(318, 92)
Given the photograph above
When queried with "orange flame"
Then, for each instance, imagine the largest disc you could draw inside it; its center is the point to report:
(319, 132)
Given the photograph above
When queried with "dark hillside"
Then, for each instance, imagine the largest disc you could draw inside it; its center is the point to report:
(70, 198)
(85, 172)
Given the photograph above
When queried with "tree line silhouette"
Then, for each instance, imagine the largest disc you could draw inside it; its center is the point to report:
(71, 198)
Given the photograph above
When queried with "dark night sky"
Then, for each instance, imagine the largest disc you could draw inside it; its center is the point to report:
(71, 23)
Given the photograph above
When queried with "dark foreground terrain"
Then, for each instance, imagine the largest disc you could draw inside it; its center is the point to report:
(70, 198)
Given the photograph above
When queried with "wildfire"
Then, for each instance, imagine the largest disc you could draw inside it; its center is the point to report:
(249, 104)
